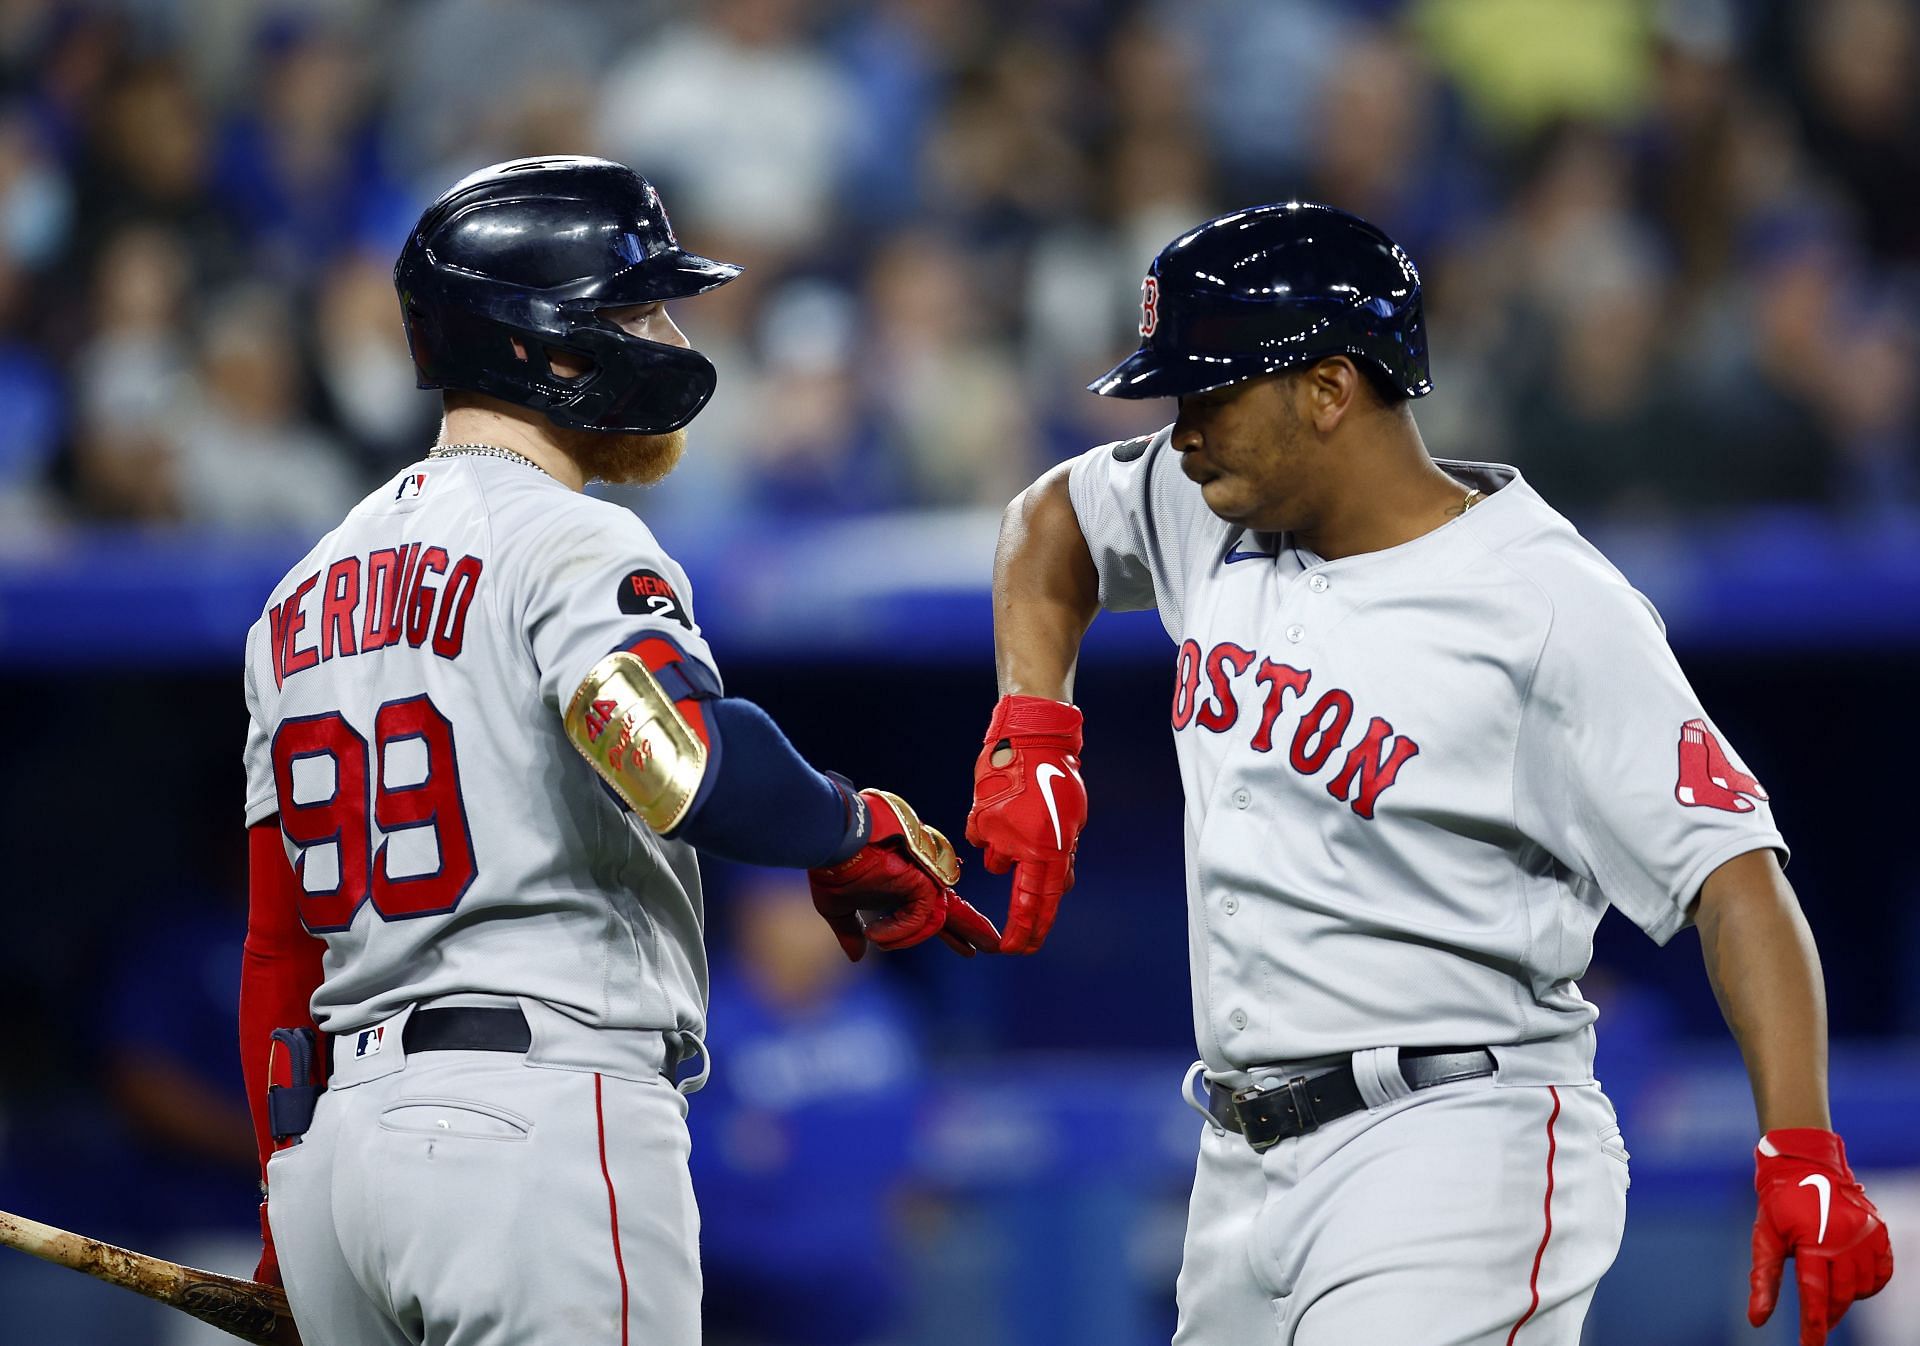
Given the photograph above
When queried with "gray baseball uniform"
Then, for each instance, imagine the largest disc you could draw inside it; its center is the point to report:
(1414, 781)
(405, 688)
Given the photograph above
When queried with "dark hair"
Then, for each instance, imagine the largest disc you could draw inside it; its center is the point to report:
(1384, 390)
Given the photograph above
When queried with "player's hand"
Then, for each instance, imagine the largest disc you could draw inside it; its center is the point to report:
(268, 1272)
(898, 888)
(1029, 805)
(1813, 1211)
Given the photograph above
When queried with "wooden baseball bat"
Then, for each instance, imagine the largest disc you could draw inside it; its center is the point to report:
(251, 1311)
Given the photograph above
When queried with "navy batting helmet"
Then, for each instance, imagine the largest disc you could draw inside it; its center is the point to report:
(534, 250)
(1273, 288)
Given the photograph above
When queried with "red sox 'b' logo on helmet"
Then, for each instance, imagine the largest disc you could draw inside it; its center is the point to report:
(1149, 305)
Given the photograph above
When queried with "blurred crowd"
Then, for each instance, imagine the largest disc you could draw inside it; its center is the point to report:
(1672, 247)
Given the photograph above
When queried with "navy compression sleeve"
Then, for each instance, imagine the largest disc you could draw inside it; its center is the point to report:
(764, 805)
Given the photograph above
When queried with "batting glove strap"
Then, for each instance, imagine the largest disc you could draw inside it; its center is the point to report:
(1035, 719)
(1804, 1143)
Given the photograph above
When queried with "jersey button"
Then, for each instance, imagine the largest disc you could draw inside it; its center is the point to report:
(1296, 634)
(1318, 584)
(1230, 905)
(1242, 797)
(1238, 1018)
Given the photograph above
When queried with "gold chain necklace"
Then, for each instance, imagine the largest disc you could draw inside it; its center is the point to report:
(484, 451)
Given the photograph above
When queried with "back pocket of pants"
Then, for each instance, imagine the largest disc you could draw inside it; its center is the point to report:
(1614, 1147)
(454, 1117)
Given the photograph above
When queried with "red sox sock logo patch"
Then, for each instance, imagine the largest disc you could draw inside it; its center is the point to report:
(1707, 778)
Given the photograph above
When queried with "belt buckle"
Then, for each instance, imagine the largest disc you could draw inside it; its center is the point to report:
(1263, 1127)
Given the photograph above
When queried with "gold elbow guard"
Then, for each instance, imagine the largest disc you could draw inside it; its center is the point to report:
(623, 722)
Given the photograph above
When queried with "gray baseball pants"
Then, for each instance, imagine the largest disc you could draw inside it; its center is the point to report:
(1470, 1214)
(466, 1198)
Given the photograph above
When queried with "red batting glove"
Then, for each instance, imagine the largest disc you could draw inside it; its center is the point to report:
(1028, 809)
(268, 1272)
(898, 888)
(1813, 1211)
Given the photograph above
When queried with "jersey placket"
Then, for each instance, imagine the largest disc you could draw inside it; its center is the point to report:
(1236, 814)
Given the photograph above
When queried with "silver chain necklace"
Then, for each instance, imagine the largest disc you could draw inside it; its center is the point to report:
(484, 451)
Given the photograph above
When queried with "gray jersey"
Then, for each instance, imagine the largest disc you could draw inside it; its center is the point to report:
(405, 688)
(1414, 778)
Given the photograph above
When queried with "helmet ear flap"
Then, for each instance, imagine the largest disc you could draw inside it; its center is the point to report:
(456, 349)
(586, 365)
(425, 342)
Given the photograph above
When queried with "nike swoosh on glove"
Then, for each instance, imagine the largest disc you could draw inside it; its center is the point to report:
(897, 890)
(1029, 806)
(1812, 1210)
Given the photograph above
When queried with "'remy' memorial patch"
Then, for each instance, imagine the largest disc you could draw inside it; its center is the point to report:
(646, 593)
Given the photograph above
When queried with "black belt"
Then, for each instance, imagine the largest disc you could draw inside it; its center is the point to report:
(1278, 1109)
(478, 1028)
(466, 1028)
(454, 1029)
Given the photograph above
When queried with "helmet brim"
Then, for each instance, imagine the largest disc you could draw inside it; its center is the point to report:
(669, 275)
(1150, 373)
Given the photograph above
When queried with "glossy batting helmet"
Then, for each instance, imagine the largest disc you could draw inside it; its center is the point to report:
(1273, 288)
(535, 250)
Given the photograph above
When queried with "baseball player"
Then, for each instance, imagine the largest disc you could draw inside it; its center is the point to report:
(486, 739)
(1427, 735)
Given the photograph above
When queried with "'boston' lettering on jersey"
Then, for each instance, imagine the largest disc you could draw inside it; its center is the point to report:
(370, 603)
(1371, 764)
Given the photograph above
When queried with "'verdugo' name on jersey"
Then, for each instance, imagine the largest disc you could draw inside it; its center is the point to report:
(408, 594)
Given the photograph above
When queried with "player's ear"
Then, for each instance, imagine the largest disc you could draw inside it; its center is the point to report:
(1328, 391)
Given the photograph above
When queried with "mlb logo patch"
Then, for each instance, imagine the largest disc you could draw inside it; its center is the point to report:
(369, 1041)
(410, 486)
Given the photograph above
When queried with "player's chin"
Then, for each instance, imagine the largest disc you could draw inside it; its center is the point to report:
(1225, 499)
(635, 460)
